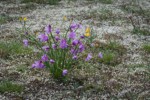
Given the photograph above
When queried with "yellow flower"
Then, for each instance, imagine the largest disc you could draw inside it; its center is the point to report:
(25, 18)
(88, 30)
(87, 34)
(20, 18)
(65, 18)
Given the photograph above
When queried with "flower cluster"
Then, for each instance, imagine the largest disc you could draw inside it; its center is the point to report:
(59, 51)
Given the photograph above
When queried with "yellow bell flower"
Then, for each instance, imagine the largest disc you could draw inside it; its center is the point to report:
(25, 18)
(88, 30)
(87, 34)
(65, 18)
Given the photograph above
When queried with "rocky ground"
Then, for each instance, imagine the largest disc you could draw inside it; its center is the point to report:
(128, 79)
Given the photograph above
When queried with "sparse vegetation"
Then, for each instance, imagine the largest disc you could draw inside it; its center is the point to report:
(8, 86)
(51, 2)
(103, 1)
(146, 48)
(5, 19)
(12, 48)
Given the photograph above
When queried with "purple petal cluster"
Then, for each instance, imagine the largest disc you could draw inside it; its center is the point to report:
(100, 55)
(52, 61)
(74, 57)
(45, 48)
(81, 47)
(72, 35)
(65, 71)
(73, 26)
(57, 31)
(54, 46)
(25, 41)
(74, 51)
(88, 57)
(48, 29)
(63, 44)
(38, 64)
(43, 37)
(57, 38)
(75, 42)
(44, 58)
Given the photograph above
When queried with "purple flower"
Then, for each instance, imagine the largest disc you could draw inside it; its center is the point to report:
(48, 29)
(46, 48)
(79, 25)
(73, 51)
(82, 37)
(57, 38)
(65, 71)
(63, 44)
(73, 26)
(72, 35)
(88, 57)
(43, 37)
(57, 31)
(100, 55)
(26, 33)
(25, 42)
(52, 61)
(38, 64)
(44, 58)
(54, 46)
(81, 47)
(74, 57)
(75, 42)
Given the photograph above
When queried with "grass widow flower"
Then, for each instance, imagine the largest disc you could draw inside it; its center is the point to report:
(72, 35)
(54, 46)
(81, 47)
(46, 48)
(52, 61)
(57, 38)
(73, 26)
(88, 57)
(63, 44)
(75, 42)
(57, 31)
(100, 55)
(74, 57)
(38, 64)
(64, 72)
(25, 41)
(44, 58)
(43, 37)
(48, 29)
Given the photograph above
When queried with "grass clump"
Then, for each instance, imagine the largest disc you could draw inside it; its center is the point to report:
(7, 86)
(146, 48)
(103, 1)
(51, 2)
(12, 48)
(4, 19)
(141, 31)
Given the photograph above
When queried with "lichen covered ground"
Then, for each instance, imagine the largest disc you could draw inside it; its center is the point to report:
(124, 73)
